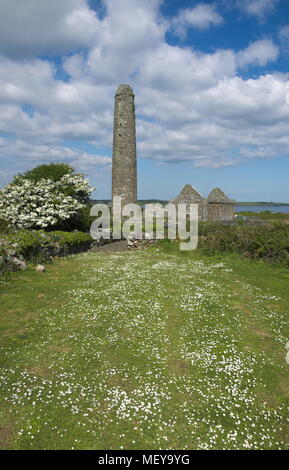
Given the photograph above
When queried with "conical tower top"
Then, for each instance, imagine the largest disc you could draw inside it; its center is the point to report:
(124, 90)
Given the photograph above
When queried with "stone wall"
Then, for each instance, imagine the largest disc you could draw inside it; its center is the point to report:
(220, 207)
(220, 212)
(190, 195)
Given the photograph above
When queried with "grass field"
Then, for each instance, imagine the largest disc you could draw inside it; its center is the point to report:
(266, 216)
(158, 349)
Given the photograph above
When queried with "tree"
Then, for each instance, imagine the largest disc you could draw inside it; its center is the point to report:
(73, 184)
(46, 197)
(52, 171)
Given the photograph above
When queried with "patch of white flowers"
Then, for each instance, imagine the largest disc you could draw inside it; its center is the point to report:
(27, 204)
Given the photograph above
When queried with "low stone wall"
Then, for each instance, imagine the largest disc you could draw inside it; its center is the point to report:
(120, 245)
(17, 249)
(139, 244)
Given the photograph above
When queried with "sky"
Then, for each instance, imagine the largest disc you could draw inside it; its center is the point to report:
(211, 84)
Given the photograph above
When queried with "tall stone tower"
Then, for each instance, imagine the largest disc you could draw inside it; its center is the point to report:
(124, 168)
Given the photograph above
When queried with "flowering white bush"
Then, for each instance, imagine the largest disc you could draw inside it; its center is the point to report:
(31, 204)
(79, 183)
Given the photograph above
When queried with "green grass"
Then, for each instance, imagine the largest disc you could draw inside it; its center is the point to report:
(158, 349)
(267, 216)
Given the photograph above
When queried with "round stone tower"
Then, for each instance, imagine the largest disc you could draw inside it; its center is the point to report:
(124, 168)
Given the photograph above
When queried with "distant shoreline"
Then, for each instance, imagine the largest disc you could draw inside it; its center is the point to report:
(262, 204)
(149, 201)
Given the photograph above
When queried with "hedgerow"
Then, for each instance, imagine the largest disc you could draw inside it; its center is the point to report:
(269, 242)
(18, 248)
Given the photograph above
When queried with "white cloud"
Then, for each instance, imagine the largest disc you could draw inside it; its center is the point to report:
(284, 35)
(182, 70)
(190, 106)
(33, 151)
(200, 17)
(22, 155)
(258, 53)
(258, 8)
(34, 27)
(217, 122)
(130, 29)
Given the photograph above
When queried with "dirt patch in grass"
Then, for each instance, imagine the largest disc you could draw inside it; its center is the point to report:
(12, 312)
(110, 247)
(178, 367)
(60, 349)
(40, 371)
(20, 333)
(6, 436)
(262, 333)
(265, 396)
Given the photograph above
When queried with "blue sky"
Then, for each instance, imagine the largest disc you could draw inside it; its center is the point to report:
(211, 84)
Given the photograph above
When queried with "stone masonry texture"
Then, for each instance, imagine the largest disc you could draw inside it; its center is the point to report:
(217, 207)
(124, 166)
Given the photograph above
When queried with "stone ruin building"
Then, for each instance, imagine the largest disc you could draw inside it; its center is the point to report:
(190, 195)
(217, 207)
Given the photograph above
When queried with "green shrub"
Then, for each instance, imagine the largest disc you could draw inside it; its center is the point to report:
(4, 227)
(38, 246)
(265, 215)
(255, 241)
(55, 172)
(80, 221)
(72, 242)
(52, 171)
(48, 197)
(29, 243)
